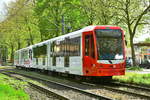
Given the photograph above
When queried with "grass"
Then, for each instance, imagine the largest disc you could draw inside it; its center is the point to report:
(6, 67)
(11, 89)
(134, 78)
(135, 68)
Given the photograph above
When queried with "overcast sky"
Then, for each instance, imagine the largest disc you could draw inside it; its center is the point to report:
(3, 5)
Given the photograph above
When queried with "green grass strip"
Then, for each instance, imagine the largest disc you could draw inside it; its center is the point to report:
(11, 89)
(134, 78)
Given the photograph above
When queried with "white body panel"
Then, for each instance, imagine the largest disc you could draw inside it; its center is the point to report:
(75, 62)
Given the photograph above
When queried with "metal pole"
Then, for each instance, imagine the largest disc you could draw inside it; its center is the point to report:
(63, 25)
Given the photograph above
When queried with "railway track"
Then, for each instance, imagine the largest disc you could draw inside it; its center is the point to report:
(71, 93)
(9, 69)
(126, 89)
(41, 88)
(133, 90)
(133, 86)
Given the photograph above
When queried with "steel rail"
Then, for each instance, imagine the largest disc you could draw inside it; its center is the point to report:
(126, 92)
(99, 97)
(109, 87)
(41, 88)
(132, 86)
(100, 86)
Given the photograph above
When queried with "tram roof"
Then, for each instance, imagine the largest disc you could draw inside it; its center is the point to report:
(79, 32)
(76, 33)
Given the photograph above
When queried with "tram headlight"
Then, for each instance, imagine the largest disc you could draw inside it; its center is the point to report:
(114, 66)
(93, 65)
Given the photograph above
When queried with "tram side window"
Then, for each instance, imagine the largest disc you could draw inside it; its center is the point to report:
(16, 56)
(55, 49)
(40, 51)
(24, 54)
(30, 54)
(52, 49)
(53, 53)
(75, 47)
(67, 47)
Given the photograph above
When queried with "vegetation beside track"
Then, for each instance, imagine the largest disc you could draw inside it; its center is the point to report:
(6, 67)
(136, 68)
(11, 89)
(143, 79)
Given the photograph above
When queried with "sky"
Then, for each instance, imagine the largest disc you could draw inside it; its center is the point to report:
(145, 35)
(142, 37)
(3, 13)
(3, 9)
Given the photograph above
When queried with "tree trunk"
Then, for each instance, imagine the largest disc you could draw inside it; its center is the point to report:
(132, 51)
(41, 35)
(19, 44)
(12, 53)
(30, 34)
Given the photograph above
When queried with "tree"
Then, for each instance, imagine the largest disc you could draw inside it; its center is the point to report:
(20, 27)
(133, 14)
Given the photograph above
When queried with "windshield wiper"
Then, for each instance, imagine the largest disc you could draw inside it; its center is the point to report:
(110, 61)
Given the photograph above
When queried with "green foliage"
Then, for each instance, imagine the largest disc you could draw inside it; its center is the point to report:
(7, 92)
(136, 68)
(134, 78)
(147, 40)
(50, 13)
(11, 89)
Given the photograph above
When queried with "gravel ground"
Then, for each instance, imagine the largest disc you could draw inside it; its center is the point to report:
(116, 96)
(71, 94)
(135, 91)
(38, 95)
(93, 89)
(74, 95)
(34, 93)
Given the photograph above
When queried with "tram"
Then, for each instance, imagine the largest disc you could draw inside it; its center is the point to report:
(91, 51)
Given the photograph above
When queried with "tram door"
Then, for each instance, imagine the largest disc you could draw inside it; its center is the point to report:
(89, 54)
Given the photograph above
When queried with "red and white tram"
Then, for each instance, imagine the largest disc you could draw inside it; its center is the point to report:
(91, 51)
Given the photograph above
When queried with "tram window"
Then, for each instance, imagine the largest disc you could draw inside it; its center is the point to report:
(44, 61)
(24, 54)
(16, 56)
(67, 47)
(52, 48)
(66, 61)
(30, 54)
(56, 48)
(89, 46)
(36, 61)
(61, 53)
(75, 47)
(40, 52)
(54, 60)
(92, 47)
(67, 43)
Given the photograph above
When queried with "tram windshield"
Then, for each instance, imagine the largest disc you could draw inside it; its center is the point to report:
(109, 44)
